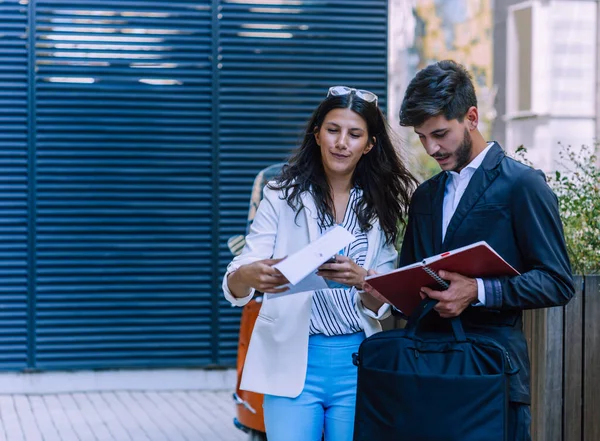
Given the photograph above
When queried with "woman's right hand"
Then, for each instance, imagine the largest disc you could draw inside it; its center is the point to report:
(259, 275)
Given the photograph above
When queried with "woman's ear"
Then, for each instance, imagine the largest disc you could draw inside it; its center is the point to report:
(316, 134)
(370, 145)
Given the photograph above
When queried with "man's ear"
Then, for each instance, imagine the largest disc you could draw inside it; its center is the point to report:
(472, 118)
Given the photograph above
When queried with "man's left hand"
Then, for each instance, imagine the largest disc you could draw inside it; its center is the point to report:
(453, 301)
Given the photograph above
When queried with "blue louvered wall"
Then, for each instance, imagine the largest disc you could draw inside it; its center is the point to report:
(131, 134)
(277, 61)
(13, 186)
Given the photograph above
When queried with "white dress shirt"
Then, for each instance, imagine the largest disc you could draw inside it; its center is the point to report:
(456, 184)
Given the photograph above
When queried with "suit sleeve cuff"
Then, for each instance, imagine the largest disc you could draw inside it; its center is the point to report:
(493, 293)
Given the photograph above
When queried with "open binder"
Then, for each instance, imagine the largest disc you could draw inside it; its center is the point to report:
(401, 287)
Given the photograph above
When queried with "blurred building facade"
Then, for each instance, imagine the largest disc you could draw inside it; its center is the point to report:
(547, 70)
(535, 65)
(425, 31)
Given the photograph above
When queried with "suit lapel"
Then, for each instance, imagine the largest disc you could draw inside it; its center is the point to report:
(481, 180)
(437, 206)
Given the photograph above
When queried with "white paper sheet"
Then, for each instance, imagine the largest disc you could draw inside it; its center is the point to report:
(311, 282)
(304, 262)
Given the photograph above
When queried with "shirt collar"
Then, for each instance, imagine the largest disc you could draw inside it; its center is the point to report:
(475, 163)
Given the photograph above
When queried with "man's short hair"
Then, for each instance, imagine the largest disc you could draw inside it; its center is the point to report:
(444, 88)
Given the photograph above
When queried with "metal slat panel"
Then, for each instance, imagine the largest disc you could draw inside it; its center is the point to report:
(13, 185)
(278, 58)
(124, 159)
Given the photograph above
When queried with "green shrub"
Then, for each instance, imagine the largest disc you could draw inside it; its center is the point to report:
(577, 186)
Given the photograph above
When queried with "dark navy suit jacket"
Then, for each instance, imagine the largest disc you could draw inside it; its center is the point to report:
(512, 208)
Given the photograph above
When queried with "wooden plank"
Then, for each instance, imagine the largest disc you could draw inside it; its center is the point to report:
(553, 384)
(538, 373)
(545, 340)
(591, 350)
(528, 319)
(573, 362)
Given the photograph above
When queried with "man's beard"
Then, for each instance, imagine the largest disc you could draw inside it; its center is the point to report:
(463, 152)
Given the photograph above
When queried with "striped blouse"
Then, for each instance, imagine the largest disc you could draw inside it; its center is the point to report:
(334, 310)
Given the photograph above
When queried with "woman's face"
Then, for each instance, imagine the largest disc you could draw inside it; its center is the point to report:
(344, 139)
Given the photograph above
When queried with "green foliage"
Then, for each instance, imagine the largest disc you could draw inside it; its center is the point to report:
(577, 186)
(426, 167)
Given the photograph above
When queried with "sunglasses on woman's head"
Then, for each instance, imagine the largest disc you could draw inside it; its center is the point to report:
(365, 95)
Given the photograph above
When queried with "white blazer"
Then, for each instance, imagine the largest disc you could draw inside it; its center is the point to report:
(277, 355)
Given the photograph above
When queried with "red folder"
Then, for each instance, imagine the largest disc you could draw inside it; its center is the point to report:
(401, 287)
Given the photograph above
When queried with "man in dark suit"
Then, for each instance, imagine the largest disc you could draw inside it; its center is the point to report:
(481, 194)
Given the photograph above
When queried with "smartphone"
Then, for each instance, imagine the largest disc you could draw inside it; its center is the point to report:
(332, 259)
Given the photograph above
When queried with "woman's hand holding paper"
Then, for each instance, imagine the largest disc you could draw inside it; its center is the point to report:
(345, 271)
(259, 275)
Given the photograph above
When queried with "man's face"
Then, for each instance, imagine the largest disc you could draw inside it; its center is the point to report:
(448, 142)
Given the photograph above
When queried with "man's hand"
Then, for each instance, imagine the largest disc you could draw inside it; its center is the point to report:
(453, 301)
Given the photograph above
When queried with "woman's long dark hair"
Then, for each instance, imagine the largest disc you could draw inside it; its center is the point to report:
(386, 183)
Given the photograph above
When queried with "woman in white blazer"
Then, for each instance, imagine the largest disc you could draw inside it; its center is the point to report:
(346, 172)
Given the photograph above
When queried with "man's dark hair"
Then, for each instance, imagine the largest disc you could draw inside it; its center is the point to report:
(444, 88)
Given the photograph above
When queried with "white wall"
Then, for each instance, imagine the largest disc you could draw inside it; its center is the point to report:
(573, 58)
(563, 84)
(541, 137)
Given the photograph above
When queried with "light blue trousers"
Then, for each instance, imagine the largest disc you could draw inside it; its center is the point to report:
(326, 404)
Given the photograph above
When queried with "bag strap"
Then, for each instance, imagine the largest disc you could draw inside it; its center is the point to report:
(417, 315)
(424, 308)
(457, 328)
(420, 311)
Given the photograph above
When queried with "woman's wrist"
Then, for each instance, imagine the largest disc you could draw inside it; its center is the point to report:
(370, 302)
(236, 285)
(361, 284)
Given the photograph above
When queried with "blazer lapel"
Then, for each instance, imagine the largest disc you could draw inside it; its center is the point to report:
(311, 216)
(373, 244)
(437, 207)
(481, 180)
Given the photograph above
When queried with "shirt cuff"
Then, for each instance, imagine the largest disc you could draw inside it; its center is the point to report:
(235, 301)
(480, 293)
(383, 312)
